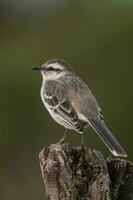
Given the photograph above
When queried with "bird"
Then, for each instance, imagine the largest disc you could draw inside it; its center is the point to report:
(71, 103)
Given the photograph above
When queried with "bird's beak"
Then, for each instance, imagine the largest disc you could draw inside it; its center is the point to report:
(38, 68)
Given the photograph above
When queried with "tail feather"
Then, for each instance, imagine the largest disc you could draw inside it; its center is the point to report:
(107, 137)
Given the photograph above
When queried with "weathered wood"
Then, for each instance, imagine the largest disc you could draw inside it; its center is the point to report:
(75, 173)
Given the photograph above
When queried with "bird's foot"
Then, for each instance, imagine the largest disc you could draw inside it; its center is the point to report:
(61, 141)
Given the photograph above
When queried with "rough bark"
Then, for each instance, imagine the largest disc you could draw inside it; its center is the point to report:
(75, 173)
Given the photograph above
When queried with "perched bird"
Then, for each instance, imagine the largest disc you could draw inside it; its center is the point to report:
(71, 103)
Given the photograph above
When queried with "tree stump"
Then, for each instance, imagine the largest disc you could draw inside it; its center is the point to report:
(80, 173)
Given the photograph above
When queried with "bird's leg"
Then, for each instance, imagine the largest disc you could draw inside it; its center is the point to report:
(47, 196)
(81, 146)
(82, 139)
(110, 158)
(61, 141)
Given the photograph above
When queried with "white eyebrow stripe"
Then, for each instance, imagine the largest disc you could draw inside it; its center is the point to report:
(55, 66)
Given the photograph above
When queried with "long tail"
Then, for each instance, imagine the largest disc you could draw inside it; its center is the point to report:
(107, 137)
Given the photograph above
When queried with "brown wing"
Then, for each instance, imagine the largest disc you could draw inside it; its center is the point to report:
(55, 96)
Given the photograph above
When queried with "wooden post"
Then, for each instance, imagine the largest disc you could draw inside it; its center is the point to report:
(75, 173)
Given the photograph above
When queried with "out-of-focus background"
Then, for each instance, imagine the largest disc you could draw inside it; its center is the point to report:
(96, 38)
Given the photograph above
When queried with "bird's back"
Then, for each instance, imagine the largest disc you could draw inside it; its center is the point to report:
(80, 96)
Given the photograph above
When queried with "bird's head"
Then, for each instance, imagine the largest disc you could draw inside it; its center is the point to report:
(53, 68)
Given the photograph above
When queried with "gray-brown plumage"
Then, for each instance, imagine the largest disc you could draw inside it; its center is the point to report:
(71, 103)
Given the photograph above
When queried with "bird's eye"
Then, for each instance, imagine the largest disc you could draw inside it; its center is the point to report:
(52, 69)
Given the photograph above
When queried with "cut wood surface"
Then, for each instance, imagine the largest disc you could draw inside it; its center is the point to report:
(80, 173)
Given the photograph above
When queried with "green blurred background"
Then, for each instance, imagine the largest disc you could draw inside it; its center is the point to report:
(96, 38)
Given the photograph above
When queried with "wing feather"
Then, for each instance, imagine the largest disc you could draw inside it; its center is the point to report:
(55, 97)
